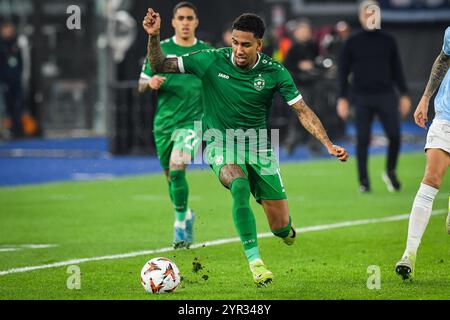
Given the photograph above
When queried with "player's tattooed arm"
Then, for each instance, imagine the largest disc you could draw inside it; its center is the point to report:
(311, 122)
(440, 68)
(158, 61)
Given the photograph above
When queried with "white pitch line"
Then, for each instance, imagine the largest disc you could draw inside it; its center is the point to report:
(150, 197)
(211, 243)
(38, 246)
(9, 249)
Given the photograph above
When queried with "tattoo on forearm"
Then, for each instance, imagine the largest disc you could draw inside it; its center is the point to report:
(158, 61)
(440, 68)
(311, 122)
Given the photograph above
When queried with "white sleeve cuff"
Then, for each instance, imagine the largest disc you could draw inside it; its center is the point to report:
(294, 101)
(181, 65)
(145, 76)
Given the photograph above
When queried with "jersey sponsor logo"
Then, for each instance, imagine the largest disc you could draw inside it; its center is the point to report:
(259, 83)
(221, 75)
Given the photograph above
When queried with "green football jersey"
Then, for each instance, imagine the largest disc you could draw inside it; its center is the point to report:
(236, 98)
(179, 98)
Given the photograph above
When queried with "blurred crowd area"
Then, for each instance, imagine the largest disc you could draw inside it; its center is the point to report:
(58, 81)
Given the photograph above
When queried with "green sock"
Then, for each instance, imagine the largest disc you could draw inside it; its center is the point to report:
(170, 192)
(179, 192)
(283, 232)
(243, 217)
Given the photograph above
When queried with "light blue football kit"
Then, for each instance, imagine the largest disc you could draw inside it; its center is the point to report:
(442, 101)
(439, 133)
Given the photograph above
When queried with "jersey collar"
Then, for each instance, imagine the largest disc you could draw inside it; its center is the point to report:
(174, 39)
(257, 62)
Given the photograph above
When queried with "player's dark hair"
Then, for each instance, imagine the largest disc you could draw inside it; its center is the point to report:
(185, 4)
(250, 22)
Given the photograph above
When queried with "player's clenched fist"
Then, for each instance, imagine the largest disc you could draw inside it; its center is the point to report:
(152, 22)
(339, 153)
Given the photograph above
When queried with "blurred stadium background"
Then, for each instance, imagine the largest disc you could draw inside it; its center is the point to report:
(92, 124)
(82, 83)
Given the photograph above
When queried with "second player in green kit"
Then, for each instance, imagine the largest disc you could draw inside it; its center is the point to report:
(179, 106)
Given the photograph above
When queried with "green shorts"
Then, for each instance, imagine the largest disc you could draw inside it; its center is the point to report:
(262, 171)
(182, 139)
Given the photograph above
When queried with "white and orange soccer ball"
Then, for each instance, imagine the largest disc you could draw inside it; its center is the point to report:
(160, 275)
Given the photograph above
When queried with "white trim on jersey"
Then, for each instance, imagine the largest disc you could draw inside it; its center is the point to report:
(174, 39)
(181, 65)
(145, 76)
(257, 62)
(294, 101)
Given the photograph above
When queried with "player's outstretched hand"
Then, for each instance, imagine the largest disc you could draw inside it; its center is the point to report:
(339, 153)
(421, 113)
(152, 22)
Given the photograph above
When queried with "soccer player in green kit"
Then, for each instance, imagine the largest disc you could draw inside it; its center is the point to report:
(238, 87)
(179, 106)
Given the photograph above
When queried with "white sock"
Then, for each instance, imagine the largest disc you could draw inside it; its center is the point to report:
(420, 215)
(189, 214)
(180, 224)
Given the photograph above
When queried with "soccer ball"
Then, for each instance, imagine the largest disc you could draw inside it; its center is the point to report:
(160, 275)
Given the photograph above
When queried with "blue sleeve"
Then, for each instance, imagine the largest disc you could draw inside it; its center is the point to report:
(446, 47)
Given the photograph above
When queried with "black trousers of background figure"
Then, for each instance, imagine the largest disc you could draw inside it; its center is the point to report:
(13, 97)
(385, 107)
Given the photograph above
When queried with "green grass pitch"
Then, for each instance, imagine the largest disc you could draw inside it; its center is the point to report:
(92, 219)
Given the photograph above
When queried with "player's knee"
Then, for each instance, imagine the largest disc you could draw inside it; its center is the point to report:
(279, 223)
(179, 161)
(432, 179)
(177, 166)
